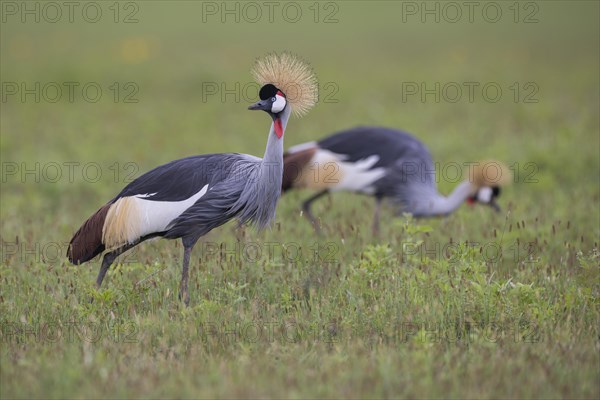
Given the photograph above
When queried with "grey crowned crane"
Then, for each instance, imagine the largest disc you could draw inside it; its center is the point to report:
(385, 163)
(187, 198)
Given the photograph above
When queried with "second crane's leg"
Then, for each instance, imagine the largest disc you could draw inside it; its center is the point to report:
(108, 259)
(376, 216)
(306, 209)
(184, 293)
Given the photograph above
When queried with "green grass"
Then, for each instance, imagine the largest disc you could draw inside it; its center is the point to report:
(476, 305)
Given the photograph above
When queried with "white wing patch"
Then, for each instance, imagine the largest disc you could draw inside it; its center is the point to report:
(352, 176)
(130, 218)
(156, 215)
(141, 196)
(301, 146)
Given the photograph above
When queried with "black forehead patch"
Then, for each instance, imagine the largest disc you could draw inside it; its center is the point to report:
(267, 91)
(496, 191)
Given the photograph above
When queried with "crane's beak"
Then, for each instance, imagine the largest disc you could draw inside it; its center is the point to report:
(260, 105)
(494, 205)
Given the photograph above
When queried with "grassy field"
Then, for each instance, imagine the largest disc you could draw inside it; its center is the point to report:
(475, 305)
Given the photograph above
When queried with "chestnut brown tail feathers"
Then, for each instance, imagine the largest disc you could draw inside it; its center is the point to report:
(293, 166)
(87, 241)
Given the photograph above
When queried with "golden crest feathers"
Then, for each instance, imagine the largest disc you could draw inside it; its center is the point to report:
(489, 173)
(293, 76)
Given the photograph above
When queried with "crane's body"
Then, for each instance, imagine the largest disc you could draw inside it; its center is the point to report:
(184, 198)
(381, 162)
(189, 197)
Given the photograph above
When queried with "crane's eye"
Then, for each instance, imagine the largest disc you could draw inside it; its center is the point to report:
(278, 104)
(273, 99)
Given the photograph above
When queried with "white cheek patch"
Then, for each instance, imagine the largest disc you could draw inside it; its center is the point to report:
(278, 105)
(484, 195)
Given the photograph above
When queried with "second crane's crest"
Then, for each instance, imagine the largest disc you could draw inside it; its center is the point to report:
(293, 76)
(489, 173)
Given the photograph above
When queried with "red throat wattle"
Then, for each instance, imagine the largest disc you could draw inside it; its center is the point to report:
(278, 128)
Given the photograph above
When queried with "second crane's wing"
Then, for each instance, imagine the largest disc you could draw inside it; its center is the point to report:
(406, 160)
(389, 145)
(411, 178)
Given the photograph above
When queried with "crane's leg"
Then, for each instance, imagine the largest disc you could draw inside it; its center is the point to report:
(376, 215)
(188, 245)
(308, 213)
(107, 261)
(239, 231)
(109, 258)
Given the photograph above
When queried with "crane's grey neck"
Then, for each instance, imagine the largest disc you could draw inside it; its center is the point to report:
(258, 200)
(437, 204)
(274, 150)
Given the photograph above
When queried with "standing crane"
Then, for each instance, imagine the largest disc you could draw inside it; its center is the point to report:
(189, 197)
(385, 163)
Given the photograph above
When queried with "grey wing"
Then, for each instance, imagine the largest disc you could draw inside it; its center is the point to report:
(410, 178)
(408, 164)
(220, 204)
(179, 179)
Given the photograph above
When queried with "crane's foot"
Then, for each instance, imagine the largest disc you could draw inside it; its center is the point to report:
(98, 283)
(311, 218)
(306, 210)
(240, 233)
(317, 228)
(184, 296)
(315, 224)
(375, 231)
(376, 217)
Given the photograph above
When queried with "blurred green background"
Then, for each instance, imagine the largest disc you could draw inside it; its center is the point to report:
(365, 54)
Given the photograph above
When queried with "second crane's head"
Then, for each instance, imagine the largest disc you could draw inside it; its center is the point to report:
(274, 102)
(487, 177)
(486, 195)
(288, 85)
